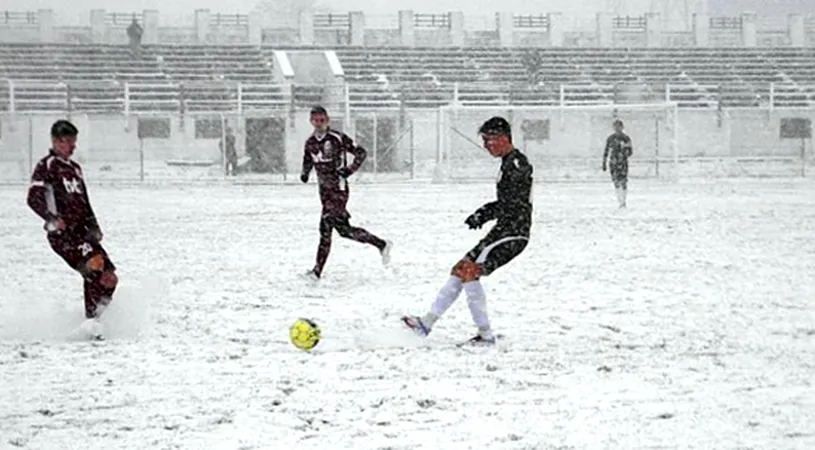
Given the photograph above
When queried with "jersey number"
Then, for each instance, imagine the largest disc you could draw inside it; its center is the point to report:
(86, 249)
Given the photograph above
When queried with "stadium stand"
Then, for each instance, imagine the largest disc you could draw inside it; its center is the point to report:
(91, 77)
(199, 69)
(735, 76)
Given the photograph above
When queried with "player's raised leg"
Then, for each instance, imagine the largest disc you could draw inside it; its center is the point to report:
(348, 231)
(462, 272)
(445, 298)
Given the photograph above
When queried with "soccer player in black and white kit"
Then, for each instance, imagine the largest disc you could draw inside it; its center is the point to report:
(615, 156)
(512, 212)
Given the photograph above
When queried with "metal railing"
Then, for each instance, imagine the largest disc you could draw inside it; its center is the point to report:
(431, 20)
(629, 22)
(19, 18)
(138, 97)
(123, 19)
(725, 23)
(531, 21)
(332, 21)
(228, 20)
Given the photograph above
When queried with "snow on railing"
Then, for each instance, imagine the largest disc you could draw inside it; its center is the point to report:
(144, 96)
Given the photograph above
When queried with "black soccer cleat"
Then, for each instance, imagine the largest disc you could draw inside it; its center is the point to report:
(479, 341)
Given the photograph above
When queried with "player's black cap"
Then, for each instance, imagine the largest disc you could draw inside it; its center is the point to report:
(63, 128)
(496, 125)
(319, 110)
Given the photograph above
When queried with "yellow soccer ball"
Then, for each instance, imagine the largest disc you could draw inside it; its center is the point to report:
(304, 334)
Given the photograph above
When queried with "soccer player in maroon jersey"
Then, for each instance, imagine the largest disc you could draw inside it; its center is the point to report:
(326, 152)
(58, 195)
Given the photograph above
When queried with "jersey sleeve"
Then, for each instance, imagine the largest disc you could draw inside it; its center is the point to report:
(308, 164)
(359, 153)
(608, 148)
(489, 211)
(37, 191)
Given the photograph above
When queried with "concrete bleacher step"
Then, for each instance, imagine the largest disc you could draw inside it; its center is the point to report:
(748, 71)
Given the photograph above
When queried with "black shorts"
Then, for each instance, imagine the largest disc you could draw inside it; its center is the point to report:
(75, 248)
(497, 249)
(619, 175)
(338, 222)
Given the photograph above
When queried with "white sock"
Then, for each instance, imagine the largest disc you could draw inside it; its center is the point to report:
(624, 194)
(477, 301)
(444, 299)
(619, 193)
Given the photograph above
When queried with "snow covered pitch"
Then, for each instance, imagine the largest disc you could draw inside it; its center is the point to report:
(684, 322)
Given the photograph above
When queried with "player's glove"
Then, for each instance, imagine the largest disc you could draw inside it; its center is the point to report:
(476, 220)
(54, 225)
(344, 172)
(304, 177)
(95, 234)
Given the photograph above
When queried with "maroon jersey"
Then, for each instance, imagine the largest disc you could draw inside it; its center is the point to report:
(327, 154)
(58, 191)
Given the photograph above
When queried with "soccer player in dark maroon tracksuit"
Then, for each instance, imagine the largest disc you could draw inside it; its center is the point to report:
(58, 195)
(326, 152)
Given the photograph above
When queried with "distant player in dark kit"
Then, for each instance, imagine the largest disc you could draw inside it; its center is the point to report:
(227, 146)
(59, 196)
(326, 152)
(506, 240)
(615, 156)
